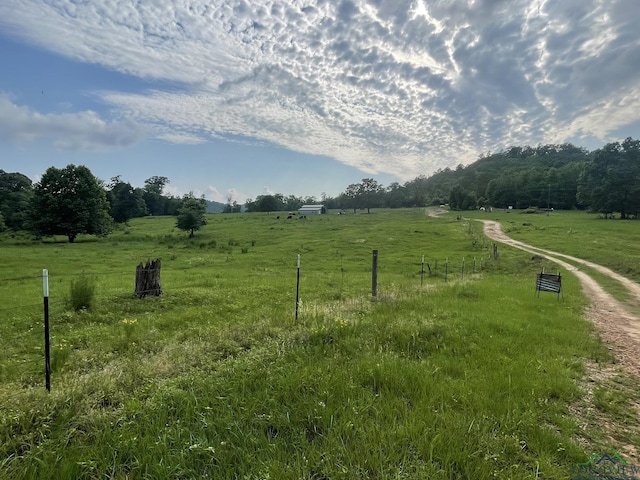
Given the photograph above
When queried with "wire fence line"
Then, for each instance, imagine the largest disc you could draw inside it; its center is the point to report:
(275, 278)
(81, 274)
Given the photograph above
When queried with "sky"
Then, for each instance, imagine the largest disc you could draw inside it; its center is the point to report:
(232, 99)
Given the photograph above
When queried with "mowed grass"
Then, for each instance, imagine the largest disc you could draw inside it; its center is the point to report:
(472, 378)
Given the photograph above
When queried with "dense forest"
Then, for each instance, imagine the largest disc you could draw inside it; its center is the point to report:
(562, 177)
(72, 201)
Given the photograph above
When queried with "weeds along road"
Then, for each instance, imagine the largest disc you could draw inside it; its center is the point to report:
(619, 327)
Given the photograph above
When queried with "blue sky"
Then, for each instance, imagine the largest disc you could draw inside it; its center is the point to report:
(241, 98)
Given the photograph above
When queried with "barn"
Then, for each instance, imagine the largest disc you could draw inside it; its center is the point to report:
(312, 210)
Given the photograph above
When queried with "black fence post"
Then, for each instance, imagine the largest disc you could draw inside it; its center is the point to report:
(47, 345)
(374, 274)
(298, 287)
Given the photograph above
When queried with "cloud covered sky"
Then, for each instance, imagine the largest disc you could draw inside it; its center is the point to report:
(244, 97)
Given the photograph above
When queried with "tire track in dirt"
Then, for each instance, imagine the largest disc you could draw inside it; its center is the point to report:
(618, 327)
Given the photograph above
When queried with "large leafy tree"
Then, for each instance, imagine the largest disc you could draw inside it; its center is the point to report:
(395, 195)
(125, 201)
(15, 194)
(191, 214)
(70, 201)
(366, 194)
(350, 197)
(269, 203)
(461, 199)
(611, 181)
(153, 198)
(370, 193)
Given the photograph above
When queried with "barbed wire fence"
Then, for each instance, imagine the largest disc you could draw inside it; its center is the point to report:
(30, 299)
(47, 295)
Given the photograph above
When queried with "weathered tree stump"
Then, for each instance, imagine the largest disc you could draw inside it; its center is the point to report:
(148, 279)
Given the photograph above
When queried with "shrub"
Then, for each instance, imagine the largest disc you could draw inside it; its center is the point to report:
(82, 293)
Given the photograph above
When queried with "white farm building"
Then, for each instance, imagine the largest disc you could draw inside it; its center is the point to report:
(312, 210)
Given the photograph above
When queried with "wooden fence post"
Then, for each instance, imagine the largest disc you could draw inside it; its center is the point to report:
(148, 279)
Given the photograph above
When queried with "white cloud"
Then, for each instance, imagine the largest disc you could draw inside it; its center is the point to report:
(68, 131)
(180, 138)
(173, 191)
(402, 87)
(211, 193)
(236, 196)
(215, 195)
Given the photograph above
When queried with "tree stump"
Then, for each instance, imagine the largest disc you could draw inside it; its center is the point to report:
(148, 279)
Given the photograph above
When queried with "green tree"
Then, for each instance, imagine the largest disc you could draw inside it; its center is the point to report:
(460, 199)
(611, 181)
(395, 196)
(70, 201)
(155, 202)
(268, 203)
(155, 184)
(16, 191)
(191, 214)
(370, 193)
(350, 197)
(293, 203)
(125, 201)
(231, 206)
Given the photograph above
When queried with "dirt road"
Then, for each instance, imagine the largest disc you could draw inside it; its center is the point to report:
(619, 327)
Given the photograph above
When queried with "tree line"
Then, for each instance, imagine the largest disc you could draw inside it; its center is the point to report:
(562, 177)
(72, 201)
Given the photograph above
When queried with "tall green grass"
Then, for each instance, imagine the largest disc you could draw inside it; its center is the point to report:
(472, 378)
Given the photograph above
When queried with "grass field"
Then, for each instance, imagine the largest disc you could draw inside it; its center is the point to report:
(472, 378)
(609, 242)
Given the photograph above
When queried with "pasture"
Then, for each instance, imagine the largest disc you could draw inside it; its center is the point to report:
(473, 378)
(608, 242)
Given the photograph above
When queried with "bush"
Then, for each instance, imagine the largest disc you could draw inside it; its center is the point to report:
(82, 293)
